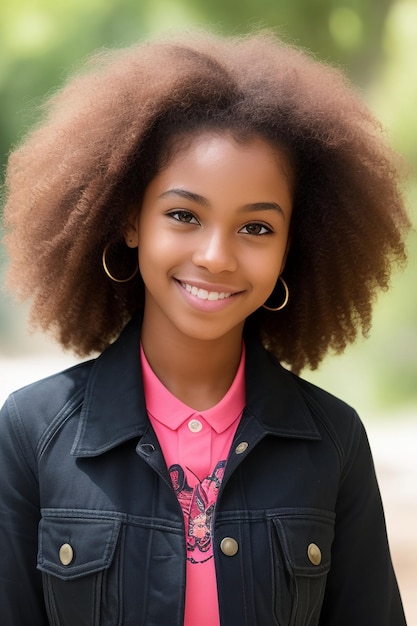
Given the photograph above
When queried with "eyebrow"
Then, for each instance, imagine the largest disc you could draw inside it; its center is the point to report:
(195, 197)
(187, 195)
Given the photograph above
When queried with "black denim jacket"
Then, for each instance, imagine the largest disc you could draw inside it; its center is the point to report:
(92, 533)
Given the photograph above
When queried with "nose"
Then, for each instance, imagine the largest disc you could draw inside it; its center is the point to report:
(215, 252)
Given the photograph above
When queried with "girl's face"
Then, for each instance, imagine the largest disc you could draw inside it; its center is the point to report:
(212, 234)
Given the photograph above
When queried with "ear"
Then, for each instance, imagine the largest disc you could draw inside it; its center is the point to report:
(131, 234)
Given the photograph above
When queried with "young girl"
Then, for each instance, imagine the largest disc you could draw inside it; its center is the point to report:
(197, 209)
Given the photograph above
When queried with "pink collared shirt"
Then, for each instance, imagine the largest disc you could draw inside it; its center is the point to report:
(195, 445)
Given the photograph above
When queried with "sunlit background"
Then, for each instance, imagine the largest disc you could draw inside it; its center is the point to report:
(375, 42)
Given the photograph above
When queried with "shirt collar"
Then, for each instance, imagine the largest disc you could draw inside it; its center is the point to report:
(172, 412)
(113, 408)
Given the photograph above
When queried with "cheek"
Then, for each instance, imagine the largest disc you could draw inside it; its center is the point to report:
(150, 259)
(158, 256)
(265, 268)
(150, 241)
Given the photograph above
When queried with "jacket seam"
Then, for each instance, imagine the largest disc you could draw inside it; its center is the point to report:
(261, 515)
(352, 448)
(112, 516)
(23, 441)
(58, 421)
(343, 450)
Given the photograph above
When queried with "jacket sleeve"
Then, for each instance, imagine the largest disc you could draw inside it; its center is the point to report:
(361, 586)
(21, 596)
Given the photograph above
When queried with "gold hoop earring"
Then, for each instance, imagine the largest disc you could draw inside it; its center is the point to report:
(107, 271)
(286, 298)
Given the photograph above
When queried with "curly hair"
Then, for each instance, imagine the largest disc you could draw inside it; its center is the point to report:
(72, 182)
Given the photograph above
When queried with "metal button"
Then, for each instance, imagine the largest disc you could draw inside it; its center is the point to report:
(66, 554)
(241, 447)
(195, 426)
(314, 554)
(229, 546)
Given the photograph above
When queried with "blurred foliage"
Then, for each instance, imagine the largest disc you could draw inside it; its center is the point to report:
(374, 41)
(381, 372)
(42, 40)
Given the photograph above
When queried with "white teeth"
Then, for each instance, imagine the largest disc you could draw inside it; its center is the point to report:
(203, 294)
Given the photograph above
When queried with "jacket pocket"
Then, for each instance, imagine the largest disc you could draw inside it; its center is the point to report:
(301, 553)
(80, 570)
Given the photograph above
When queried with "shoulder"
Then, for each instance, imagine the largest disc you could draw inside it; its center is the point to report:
(291, 406)
(323, 404)
(31, 409)
(294, 405)
(335, 419)
(266, 377)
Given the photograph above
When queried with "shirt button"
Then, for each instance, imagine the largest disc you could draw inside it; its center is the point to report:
(66, 554)
(241, 447)
(229, 546)
(314, 554)
(195, 426)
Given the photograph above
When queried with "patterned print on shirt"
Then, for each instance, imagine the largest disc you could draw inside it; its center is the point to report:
(198, 504)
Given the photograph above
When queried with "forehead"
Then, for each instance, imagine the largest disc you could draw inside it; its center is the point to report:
(197, 140)
(206, 150)
(225, 172)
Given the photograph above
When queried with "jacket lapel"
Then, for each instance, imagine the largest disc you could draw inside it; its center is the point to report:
(114, 409)
(274, 397)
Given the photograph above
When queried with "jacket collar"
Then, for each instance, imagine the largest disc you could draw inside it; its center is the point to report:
(114, 409)
(273, 395)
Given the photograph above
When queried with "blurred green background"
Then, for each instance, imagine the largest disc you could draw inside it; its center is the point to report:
(374, 41)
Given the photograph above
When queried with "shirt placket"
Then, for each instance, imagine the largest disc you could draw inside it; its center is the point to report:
(195, 448)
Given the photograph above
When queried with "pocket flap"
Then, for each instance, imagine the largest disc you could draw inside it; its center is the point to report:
(70, 548)
(307, 541)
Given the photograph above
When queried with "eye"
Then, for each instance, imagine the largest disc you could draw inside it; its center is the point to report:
(183, 216)
(256, 229)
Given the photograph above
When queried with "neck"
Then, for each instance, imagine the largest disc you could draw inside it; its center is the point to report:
(198, 372)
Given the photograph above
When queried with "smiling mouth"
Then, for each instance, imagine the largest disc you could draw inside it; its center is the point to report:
(203, 294)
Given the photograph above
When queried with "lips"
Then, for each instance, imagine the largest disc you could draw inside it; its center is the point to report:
(204, 294)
